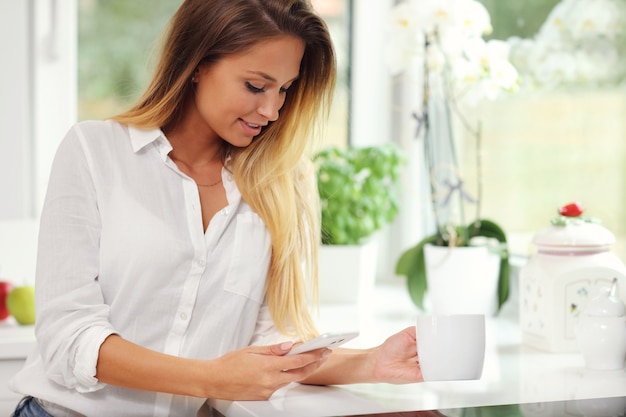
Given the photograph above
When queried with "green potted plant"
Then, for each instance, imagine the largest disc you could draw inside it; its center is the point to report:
(457, 68)
(358, 189)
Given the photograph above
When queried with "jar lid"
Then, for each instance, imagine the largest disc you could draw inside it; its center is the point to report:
(576, 234)
(573, 231)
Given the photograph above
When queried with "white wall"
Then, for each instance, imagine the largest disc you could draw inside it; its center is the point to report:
(16, 135)
(37, 106)
(370, 119)
(38, 99)
(371, 95)
(55, 81)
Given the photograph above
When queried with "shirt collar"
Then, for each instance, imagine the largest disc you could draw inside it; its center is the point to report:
(140, 138)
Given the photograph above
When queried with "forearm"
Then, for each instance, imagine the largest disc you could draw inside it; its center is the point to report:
(395, 361)
(128, 365)
(252, 373)
(344, 366)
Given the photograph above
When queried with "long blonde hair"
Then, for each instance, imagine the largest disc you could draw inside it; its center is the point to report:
(272, 173)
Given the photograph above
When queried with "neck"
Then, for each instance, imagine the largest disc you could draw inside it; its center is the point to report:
(192, 144)
(195, 160)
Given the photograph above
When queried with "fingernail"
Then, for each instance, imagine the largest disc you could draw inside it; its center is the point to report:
(286, 345)
(326, 354)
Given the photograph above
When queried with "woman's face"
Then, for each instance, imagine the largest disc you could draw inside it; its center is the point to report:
(241, 93)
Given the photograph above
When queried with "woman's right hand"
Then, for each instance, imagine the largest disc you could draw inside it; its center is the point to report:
(256, 372)
(251, 373)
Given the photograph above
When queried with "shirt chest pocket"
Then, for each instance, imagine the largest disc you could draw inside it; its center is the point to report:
(250, 259)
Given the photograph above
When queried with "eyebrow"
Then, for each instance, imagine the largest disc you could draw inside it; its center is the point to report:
(269, 77)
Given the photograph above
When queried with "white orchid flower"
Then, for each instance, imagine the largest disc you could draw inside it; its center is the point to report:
(557, 20)
(557, 68)
(452, 41)
(504, 75)
(577, 44)
(447, 34)
(485, 53)
(476, 20)
(405, 37)
(598, 18)
(437, 15)
(488, 67)
(467, 72)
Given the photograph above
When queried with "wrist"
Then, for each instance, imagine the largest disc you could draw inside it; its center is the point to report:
(201, 374)
(370, 374)
(346, 366)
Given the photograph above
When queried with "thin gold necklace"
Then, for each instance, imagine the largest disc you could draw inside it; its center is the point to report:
(199, 185)
(209, 185)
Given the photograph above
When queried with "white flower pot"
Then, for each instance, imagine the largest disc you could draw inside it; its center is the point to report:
(461, 280)
(347, 273)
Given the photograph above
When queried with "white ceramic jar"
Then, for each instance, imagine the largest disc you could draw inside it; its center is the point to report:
(573, 261)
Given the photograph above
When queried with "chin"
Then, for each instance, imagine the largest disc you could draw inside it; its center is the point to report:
(240, 142)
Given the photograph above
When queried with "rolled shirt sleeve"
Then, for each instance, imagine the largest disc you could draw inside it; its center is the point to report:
(86, 359)
(72, 318)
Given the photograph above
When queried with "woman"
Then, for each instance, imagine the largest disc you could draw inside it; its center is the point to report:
(177, 238)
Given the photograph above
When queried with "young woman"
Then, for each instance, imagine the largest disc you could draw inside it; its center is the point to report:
(178, 238)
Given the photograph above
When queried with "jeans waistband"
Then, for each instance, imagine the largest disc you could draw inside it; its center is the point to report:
(56, 410)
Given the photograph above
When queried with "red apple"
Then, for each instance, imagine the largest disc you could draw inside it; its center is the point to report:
(5, 289)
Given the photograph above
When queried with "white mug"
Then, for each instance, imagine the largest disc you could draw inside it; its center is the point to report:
(451, 347)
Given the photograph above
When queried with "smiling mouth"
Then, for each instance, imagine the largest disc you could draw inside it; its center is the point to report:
(252, 125)
(251, 129)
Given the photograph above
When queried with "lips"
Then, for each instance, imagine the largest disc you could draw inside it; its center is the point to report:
(251, 129)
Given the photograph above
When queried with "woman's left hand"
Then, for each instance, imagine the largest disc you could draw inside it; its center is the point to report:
(396, 361)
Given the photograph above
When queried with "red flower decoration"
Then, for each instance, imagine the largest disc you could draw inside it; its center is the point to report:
(572, 209)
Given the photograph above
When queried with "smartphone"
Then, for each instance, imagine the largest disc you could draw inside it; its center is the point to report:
(326, 340)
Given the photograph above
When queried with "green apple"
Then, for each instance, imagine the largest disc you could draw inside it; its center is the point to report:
(21, 304)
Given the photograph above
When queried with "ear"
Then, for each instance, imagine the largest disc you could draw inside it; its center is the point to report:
(194, 77)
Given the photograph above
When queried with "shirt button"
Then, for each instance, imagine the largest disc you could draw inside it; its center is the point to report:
(225, 212)
(183, 316)
(200, 263)
(229, 177)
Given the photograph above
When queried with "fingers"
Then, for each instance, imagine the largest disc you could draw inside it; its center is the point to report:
(303, 360)
(298, 374)
(305, 364)
(293, 367)
(410, 331)
(258, 371)
(280, 349)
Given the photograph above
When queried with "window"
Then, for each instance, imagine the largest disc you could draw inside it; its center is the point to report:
(562, 138)
(541, 148)
(118, 41)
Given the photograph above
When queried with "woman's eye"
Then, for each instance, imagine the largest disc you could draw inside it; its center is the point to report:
(254, 89)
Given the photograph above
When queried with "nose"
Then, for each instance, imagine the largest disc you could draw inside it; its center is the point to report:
(270, 105)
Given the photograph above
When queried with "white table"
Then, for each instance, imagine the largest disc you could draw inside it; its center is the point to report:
(513, 373)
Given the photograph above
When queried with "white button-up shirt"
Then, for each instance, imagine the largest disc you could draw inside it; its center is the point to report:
(122, 250)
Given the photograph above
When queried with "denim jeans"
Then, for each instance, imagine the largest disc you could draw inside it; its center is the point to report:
(29, 407)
